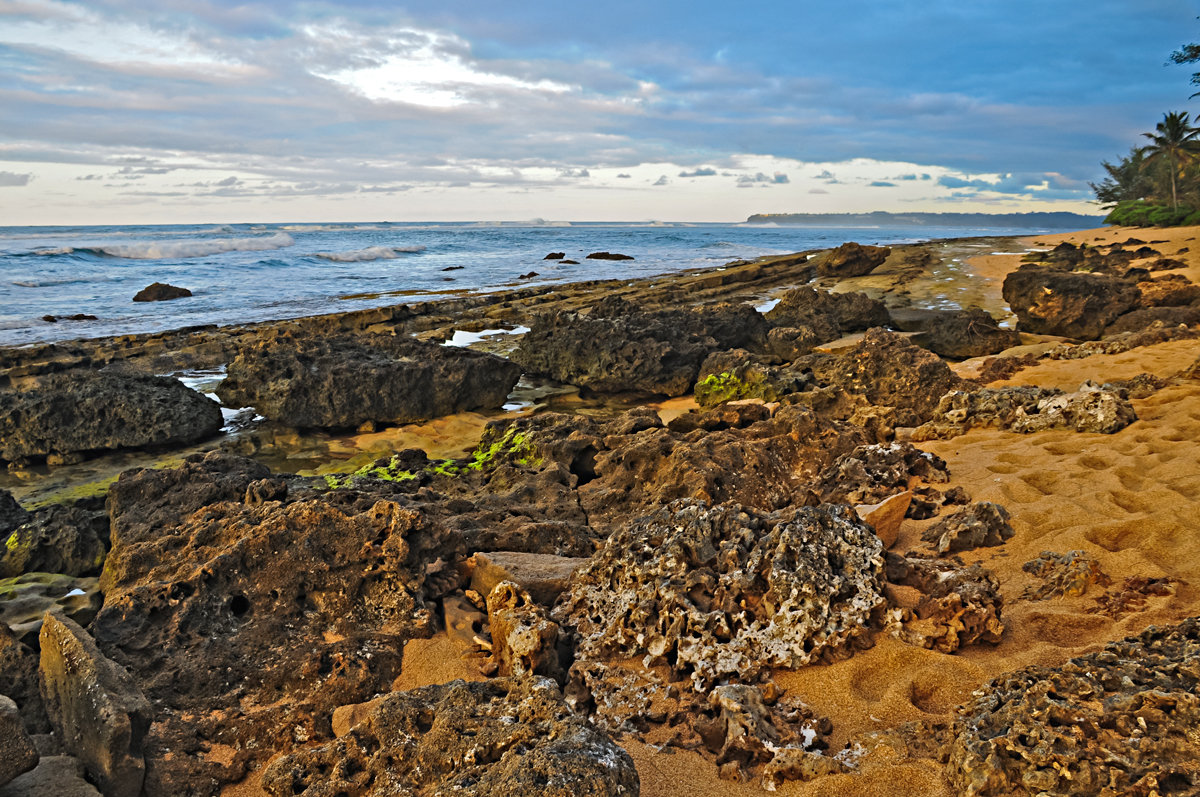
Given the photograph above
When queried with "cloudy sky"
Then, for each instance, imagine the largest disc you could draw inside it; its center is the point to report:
(176, 111)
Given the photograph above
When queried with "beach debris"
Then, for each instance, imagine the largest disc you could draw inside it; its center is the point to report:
(725, 592)
(958, 605)
(1119, 721)
(1063, 574)
(161, 292)
(981, 524)
(850, 260)
(608, 256)
(505, 736)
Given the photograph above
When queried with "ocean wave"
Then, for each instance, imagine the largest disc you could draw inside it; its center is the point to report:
(170, 249)
(718, 245)
(370, 253)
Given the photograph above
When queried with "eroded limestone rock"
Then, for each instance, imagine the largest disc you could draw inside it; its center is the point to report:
(1067, 574)
(56, 539)
(968, 333)
(524, 639)
(17, 753)
(1093, 408)
(851, 260)
(871, 474)
(981, 524)
(959, 605)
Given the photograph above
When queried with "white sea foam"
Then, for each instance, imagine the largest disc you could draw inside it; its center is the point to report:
(200, 248)
(370, 253)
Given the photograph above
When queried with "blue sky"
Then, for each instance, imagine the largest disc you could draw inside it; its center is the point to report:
(124, 111)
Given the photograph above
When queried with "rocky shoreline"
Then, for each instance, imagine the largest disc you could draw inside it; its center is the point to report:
(802, 575)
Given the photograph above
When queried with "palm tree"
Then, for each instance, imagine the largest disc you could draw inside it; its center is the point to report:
(1177, 141)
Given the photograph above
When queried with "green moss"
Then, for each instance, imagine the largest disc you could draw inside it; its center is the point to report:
(12, 543)
(718, 388)
(512, 443)
(389, 472)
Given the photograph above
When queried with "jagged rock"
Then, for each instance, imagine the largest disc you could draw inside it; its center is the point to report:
(828, 314)
(1145, 318)
(295, 608)
(960, 605)
(1173, 290)
(788, 343)
(58, 539)
(726, 376)
(160, 292)
(982, 524)
(17, 753)
(1120, 721)
(678, 586)
(995, 369)
(617, 347)
(504, 737)
(886, 516)
(1132, 594)
(851, 260)
(54, 776)
(1071, 304)
(12, 514)
(1155, 332)
(82, 411)
(19, 680)
(25, 599)
(95, 706)
(608, 256)
(524, 639)
(928, 501)
(555, 256)
(543, 576)
(888, 371)
(968, 333)
(871, 474)
(345, 381)
(1092, 408)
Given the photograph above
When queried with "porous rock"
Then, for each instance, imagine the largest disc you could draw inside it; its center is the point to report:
(60, 538)
(1068, 574)
(12, 514)
(981, 524)
(737, 375)
(617, 347)
(871, 474)
(543, 576)
(828, 314)
(968, 333)
(724, 592)
(19, 680)
(524, 639)
(95, 706)
(851, 260)
(54, 776)
(345, 381)
(506, 736)
(1089, 409)
(25, 599)
(1093, 408)
(83, 411)
(959, 605)
(160, 292)
(1072, 304)
(1120, 721)
(17, 753)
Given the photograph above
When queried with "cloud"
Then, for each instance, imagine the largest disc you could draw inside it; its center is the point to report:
(624, 176)
(574, 173)
(228, 181)
(701, 172)
(882, 184)
(11, 179)
(778, 178)
(662, 180)
(818, 191)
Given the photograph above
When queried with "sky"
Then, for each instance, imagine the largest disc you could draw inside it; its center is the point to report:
(202, 111)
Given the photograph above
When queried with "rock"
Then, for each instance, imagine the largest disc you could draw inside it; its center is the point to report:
(789, 343)
(1145, 318)
(1067, 730)
(678, 587)
(828, 314)
(344, 381)
(26, 598)
(160, 292)
(12, 514)
(501, 737)
(1173, 290)
(555, 256)
(83, 411)
(886, 516)
(871, 474)
(618, 348)
(1093, 408)
(59, 539)
(981, 524)
(95, 707)
(543, 576)
(1074, 305)
(851, 260)
(524, 639)
(17, 753)
(54, 776)
(1155, 332)
(1068, 574)
(959, 605)
(963, 334)
(528, 276)
(737, 375)
(568, 262)
(19, 680)
(607, 256)
(1090, 409)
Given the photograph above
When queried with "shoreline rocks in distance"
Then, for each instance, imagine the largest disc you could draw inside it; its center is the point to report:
(608, 256)
(161, 292)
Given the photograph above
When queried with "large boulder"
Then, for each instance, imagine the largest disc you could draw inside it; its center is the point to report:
(506, 737)
(851, 260)
(12, 514)
(17, 753)
(724, 592)
(19, 680)
(79, 412)
(95, 706)
(342, 382)
(1072, 304)
(54, 776)
(161, 292)
(617, 348)
(1119, 721)
(962, 334)
(67, 539)
(827, 314)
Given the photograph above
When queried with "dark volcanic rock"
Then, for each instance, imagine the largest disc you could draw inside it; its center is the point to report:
(1071, 304)
(160, 292)
(1121, 721)
(341, 382)
(617, 348)
(828, 314)
(84, 411)
(17, 753)
(58, 539)
(1146, 317)
(725, 592)
(851, 260)
(608, 256)
(19, 680)
(968, 333)
(502, 738)
(555, 256)
(12, 514)
(292, 608)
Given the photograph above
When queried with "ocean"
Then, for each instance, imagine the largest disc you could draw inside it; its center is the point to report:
(250, 272)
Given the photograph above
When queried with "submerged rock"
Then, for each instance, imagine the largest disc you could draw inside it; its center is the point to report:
(505, 737)
(1120, 721)
(161, 292)
(343, 382)
(724, 592)
(83, 411)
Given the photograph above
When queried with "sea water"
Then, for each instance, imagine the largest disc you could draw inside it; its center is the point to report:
(241, 273)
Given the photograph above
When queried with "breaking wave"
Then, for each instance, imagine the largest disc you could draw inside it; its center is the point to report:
(170, 249)
(370, 253)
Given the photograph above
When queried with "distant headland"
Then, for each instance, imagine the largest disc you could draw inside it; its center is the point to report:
(1056, 220)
